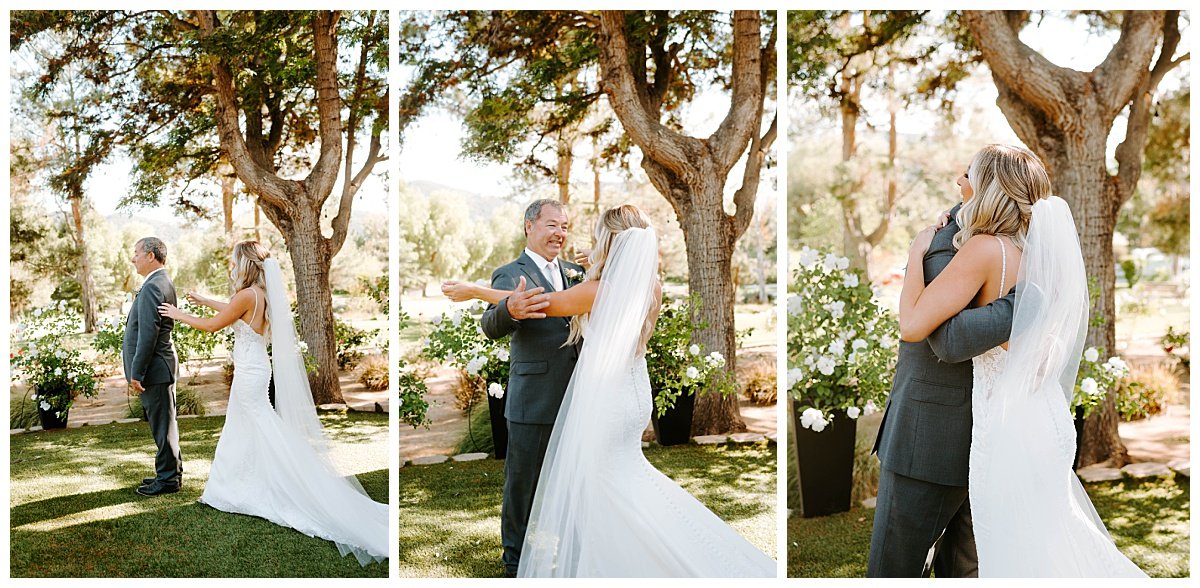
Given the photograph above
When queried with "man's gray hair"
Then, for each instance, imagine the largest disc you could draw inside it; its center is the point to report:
(535, 208)
(155, 246)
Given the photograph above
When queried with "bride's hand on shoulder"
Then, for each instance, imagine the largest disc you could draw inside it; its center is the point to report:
(168, 310)
(921, 242)
(458, 291)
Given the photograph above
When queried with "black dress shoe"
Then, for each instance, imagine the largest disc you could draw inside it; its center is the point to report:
(157, 488)
(148, 481)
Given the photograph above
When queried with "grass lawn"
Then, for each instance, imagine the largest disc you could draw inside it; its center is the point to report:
(74, 512)
(1148, 520)
(450, 512)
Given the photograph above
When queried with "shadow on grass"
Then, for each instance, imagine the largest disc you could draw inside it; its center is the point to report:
(1149, 521)
(74, 511)
(450, 512)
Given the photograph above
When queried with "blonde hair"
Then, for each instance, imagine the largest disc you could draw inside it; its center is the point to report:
(611, 222)
(248, 258)
(1007, 180)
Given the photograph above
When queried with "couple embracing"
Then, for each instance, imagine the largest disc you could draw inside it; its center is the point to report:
(580, 499)
(977, 457)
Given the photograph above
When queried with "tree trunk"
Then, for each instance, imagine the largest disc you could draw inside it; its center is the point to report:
(311, 259)
(87, 288)
(228, 193)
(1065, 117)
(708, 236)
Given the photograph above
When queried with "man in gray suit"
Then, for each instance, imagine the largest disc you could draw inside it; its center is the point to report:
(925, 439)
(150, 366)
(540, 366)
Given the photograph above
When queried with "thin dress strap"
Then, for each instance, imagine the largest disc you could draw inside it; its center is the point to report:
(254, 313)
(1003, 266)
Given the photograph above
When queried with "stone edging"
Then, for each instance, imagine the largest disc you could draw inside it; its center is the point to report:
(375, 407)
(734, 439)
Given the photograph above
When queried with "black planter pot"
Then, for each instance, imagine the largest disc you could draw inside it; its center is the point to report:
(825, 462)
(51, 421)
(499, 426)
(674, 427)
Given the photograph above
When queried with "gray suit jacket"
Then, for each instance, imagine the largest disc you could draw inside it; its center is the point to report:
(146, 350)
(926, 428)
(540, 367)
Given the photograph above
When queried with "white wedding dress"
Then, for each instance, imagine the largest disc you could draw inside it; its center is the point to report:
(1031, 515)
(272, 464)
(601, 509)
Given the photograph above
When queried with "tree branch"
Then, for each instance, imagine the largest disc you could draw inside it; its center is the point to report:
(728, 142)
(329, 107)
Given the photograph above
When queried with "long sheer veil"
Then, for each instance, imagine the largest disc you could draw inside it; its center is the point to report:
(1031, 513)
(294, 402)
(562, 511)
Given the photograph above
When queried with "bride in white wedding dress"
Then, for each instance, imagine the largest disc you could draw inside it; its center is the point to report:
(600, 508)
(1031, 515)
(273, 462)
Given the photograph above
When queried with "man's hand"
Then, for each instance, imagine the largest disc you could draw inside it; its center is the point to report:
(525, 304)
(137, 386)
(584, 258)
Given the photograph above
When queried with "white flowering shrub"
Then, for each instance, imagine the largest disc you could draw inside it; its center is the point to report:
(1096, 379)
(841, 343)
(678, 366)
(457, 340)
(55, 372)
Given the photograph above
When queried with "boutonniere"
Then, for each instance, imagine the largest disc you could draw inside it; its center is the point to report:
(573, 274)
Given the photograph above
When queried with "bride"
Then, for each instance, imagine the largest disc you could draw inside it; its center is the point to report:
(600, 508)
(1031, 515)
(273, 463)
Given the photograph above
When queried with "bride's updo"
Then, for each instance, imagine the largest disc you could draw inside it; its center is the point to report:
(611, 223)
(1006, 180)
(248, 258)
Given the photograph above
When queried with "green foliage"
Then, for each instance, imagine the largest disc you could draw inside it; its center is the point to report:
(110, 337)
(1131, 271)
(458, 341)
(377, 291)
(841, 341)
(1145, 392)
(187, 402)
(350, 340)
(412, 389)
(1096, 380)
(55, 372)
(678, 366)
(192, 344)
(1178, 344)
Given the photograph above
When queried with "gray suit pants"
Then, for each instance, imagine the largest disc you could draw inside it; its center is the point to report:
(158, 402)
(911, 516)
(522, 467)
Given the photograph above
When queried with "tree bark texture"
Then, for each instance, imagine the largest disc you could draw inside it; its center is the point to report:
(691, 173)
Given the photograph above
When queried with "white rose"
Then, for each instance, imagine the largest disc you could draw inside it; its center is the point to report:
(1118, 365)
(808, 257)
(37, 312)
(843, 263)
(810, 361)
(437, 320)
(717, 357)
(830, 263)
(495, 390)
(58, 371)
(837, 309)
(852, 358)
(476, 364)
(794, 375)
(825, 365)
(1089, 386)
(795, 305)
(851, 281)
(838, 347)
(887, 341)
(871, 325)
(853, 412)
(694, 349)
(692, 372)
(1092, 354)
(502, 354)
(33, 397)
(869, 408)
(858, 344)
(456, 318)
(425, 342)
(45, 405)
